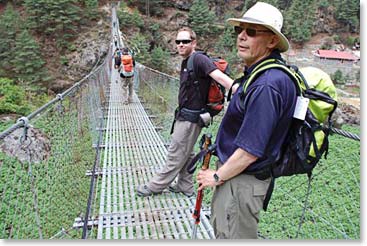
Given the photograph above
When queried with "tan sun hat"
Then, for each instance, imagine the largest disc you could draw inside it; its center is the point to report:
(266, 15)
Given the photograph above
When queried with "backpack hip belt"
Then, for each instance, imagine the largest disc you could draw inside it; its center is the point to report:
(127, 74)
(190, 115)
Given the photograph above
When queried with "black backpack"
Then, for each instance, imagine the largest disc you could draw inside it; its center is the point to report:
(307, 139)
(214, 103)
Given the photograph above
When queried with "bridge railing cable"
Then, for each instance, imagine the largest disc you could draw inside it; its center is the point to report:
(345, 133)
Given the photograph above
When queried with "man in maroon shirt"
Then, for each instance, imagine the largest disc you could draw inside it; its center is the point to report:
(186, 128)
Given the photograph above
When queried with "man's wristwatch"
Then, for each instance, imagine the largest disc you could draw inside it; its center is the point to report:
(216, 178)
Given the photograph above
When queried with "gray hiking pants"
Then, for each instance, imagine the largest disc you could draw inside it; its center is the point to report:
(236, 207)
(180, 153)
(128, 84)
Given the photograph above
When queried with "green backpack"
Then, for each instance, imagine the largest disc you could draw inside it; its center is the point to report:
(307, 138)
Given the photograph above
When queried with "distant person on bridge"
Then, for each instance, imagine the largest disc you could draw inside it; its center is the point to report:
(253, 128)
(115, 39)
(117, 58)
(127, 74)
(187, 125)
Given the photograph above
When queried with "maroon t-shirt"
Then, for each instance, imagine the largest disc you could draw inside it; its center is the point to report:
(189, 96)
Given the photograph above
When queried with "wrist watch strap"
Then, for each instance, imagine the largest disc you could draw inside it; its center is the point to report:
(216, 177)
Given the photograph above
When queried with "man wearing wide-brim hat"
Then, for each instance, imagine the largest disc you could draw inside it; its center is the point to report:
(253, 128)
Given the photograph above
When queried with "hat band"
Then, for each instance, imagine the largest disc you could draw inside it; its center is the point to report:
(252, 19)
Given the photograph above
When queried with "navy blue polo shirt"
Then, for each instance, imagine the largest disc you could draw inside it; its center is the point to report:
(259, 124)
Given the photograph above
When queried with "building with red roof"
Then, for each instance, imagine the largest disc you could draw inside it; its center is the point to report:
(336, 55)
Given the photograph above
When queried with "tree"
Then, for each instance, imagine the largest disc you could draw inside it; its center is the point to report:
(347, 12)
(91, 8)
(201, 19)
(28, 63)
(338, 77)
(55, 18)
(159, 59)
(136, 19)
(9, 23)
(299, 19)
(129, 20)
(125, 18)
(227, 40)
(140, 46)
(156, 37)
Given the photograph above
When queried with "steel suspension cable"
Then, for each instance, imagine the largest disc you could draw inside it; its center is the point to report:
(345, 133)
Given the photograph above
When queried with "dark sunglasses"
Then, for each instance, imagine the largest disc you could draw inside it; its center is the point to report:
(184, 41)
(251, 32)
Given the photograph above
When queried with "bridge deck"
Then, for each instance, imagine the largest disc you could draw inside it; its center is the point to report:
(133, 153)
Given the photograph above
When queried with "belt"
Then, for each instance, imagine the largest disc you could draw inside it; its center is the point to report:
(262, 176)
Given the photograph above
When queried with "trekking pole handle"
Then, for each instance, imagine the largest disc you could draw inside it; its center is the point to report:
(207, 145)
(206, 161)
(192, 166)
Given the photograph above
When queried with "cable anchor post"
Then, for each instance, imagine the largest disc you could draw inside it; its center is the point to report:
(26, 126)
(60, 107)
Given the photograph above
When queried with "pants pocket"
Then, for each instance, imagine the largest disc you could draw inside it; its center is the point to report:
(232, 216)
(258, 194)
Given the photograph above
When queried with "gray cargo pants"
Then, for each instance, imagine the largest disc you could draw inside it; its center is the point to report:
(180, 153)
(236, 207)
(128, 86)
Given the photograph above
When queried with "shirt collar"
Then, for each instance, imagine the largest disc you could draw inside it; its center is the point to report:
(275, 54)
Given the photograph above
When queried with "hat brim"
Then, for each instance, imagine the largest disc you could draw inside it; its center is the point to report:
(283, 41)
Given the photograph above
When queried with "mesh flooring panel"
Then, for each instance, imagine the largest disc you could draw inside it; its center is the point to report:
(132, 153)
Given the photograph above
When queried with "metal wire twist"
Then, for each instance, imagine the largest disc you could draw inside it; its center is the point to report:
(345, 133)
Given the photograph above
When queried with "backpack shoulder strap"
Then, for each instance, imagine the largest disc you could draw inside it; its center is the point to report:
(190, 63)
(237, 81)
(274, 63)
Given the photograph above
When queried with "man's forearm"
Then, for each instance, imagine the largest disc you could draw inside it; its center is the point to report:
(222, 78)
(236, 164)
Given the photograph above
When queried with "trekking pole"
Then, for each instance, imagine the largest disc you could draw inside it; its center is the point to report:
(199, 198)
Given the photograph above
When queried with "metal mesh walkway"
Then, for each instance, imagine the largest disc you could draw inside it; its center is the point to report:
(133, 153)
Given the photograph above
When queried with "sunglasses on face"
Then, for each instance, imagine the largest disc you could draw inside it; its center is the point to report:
(184, 41)
(250, 32)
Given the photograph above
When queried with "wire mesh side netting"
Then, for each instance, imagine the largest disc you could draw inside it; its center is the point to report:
(44, 188)
(333, 205)
(159, 94)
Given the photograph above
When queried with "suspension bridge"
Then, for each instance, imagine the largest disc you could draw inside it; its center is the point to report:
(100, 150)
